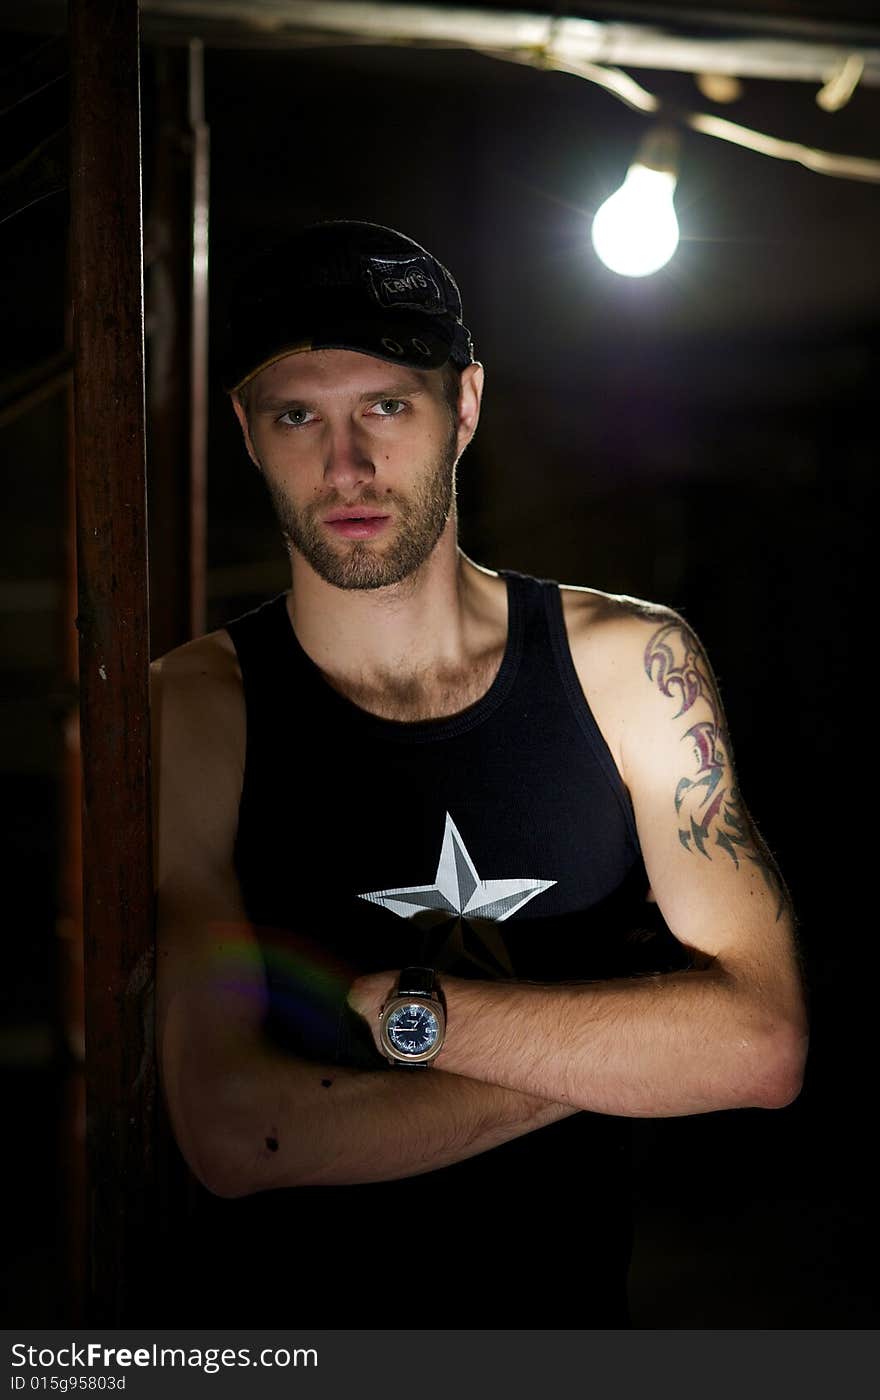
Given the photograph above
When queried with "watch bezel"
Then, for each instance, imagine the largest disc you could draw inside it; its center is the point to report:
(389, 1049)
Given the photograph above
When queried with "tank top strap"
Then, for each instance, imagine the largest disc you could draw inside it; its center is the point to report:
(534, 603)
(249, 631)
(268, 666)
(547, 661)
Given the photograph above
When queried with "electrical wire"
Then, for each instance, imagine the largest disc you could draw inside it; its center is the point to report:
(628, 91)
(822, 162)
(613, 80)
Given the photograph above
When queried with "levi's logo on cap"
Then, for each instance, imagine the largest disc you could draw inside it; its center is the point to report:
(405, 282)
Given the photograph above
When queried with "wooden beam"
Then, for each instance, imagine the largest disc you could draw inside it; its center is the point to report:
(766, 40)
(113, 625)
(747, 45)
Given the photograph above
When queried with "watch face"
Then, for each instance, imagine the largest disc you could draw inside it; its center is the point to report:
(412, 1028)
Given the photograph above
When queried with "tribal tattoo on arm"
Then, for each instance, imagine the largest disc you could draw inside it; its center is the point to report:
(708, 805)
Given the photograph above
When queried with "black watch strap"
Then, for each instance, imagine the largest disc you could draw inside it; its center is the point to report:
(416, 981)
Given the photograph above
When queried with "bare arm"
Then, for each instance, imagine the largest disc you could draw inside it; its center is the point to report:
(276, 1120)
(659, 1046)
(730, 1033)
(247, 1116)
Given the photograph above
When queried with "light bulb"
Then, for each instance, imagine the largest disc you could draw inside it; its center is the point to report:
(635, 232)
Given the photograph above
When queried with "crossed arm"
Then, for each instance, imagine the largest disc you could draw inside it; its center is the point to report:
(258, 1118)
(730, 1033)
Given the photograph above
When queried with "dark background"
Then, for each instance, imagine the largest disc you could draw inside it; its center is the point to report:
(706, 438)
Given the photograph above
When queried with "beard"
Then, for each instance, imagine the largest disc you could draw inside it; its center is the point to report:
(420, 520)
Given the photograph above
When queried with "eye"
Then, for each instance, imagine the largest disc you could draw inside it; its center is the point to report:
(389, 408)
(296, 417)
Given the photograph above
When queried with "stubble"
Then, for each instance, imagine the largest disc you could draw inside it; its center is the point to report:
(418, 522)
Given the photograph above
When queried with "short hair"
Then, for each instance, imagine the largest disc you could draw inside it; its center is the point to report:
(451, 386)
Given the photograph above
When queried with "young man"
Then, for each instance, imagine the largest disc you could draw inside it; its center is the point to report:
(412, 818)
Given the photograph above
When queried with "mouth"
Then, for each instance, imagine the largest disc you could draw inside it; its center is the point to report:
(357, 524)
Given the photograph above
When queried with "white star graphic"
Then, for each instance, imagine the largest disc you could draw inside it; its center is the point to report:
(458, 889)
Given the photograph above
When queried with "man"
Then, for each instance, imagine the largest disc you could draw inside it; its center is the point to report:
(412, 818)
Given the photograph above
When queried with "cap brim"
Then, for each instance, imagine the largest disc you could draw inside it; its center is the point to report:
(400, 344)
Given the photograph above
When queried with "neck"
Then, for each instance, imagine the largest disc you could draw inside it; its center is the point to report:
(432, 621)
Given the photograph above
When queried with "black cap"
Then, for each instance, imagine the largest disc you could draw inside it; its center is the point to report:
(345, 285)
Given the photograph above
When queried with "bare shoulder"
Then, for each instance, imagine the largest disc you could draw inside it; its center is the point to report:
(199, 731)
(606, 616)
(612, 637)
(212, 655)
(607, 631)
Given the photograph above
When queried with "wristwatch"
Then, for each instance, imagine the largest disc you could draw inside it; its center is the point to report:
(412, 1022)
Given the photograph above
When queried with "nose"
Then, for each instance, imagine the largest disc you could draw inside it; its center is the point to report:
(347, 461)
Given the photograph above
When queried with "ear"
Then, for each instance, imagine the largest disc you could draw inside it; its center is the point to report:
(241, 415)
(469, 400)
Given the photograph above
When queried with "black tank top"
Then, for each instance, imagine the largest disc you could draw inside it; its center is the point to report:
(498, 842)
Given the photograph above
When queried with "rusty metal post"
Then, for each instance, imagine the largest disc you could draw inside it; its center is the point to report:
(177, 267)
(113, 624)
